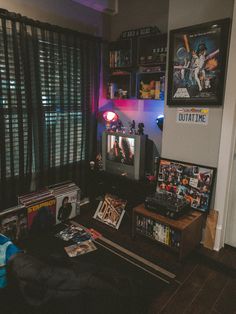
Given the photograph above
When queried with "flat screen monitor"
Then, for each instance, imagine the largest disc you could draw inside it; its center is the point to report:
(190, 181)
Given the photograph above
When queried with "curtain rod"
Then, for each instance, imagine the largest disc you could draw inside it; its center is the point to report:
(23, 19)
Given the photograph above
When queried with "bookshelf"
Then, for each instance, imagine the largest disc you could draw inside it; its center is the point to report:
(136, 67)
(151, 58)
(181, 235)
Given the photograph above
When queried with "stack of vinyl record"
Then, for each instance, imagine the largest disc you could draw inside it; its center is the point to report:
(14, 223)
(41, 209)
(67, 196)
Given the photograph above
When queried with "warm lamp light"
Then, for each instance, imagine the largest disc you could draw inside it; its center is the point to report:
(110, 116)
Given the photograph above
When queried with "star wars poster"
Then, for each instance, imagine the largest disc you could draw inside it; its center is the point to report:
(197, 62)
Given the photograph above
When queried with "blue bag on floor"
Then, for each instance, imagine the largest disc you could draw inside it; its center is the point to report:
(7, 250)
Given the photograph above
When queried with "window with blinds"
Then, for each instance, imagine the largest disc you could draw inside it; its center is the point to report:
(14, 117)
(60, 85)
(49, 87)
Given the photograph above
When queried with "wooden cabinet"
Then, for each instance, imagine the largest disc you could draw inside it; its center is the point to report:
(137, 67)
(181, 235)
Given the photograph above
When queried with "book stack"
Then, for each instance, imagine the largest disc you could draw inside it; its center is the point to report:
(157, 231)
(119, 58)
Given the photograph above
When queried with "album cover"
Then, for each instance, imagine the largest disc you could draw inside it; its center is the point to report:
(13, 223)
(41, 214)
(80, 248)
(66, 205)
(111, 211)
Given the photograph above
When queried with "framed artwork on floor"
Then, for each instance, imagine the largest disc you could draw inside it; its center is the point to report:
(197, 64)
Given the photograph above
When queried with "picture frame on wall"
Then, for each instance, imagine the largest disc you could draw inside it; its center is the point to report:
(197, 64)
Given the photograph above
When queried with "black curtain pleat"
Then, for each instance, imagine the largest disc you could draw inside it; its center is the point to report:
(90, 79)
(15, 114)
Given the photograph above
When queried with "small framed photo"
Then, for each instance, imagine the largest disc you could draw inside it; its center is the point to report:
(197, 64)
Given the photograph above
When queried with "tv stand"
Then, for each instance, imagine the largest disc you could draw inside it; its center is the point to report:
(181, 235)
(134, 191)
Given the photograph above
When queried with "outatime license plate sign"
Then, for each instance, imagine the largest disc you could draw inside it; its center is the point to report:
(195, 116)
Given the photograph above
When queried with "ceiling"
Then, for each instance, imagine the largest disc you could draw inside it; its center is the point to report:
(105, 6)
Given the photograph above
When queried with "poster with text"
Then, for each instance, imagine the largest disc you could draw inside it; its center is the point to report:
(197, 61)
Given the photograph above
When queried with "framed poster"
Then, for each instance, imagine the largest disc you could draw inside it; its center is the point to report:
(197, 64)
(186, 180)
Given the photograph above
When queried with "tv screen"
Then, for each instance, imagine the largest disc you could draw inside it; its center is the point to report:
(120, 149)
(124, 154)
(190, 181)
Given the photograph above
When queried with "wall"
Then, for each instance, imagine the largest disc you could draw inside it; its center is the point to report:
(65, 13)
(198, 144)
(212, 144)
(135, 14)
(225, 200)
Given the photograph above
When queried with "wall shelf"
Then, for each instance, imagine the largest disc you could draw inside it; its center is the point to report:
(129, 67)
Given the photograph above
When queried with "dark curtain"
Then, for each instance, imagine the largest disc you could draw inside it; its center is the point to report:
(66, 104)
(15, 112)
(57, 76)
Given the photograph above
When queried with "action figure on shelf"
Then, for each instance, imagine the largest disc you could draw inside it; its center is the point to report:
(141, 128)
(98, 162)
(132, 127)
(119, 126)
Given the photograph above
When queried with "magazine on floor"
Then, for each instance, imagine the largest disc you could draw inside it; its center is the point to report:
(70, 232)
(80, 248)
(111, 211)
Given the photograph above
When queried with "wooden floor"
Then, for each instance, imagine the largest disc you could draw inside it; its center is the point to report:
(205, 281)
(203, 290)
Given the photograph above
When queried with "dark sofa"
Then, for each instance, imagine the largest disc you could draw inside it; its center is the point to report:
(66, 286)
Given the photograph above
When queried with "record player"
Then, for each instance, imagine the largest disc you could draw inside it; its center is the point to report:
(167, 204)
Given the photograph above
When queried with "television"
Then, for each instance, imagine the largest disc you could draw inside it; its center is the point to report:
(124, 154)
(189, 181)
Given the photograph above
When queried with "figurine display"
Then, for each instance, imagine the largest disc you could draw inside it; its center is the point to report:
(132, 127)
(141, 128)
(119, 126)
(99, 164)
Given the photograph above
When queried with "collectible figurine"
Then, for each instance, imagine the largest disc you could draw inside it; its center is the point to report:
(119, 126)
(132, 127)
(99, 164)
(141, 128)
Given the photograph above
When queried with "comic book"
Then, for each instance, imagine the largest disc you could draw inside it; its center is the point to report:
(14, 223)
(111, 211)
(80, 248)
(70, 232)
